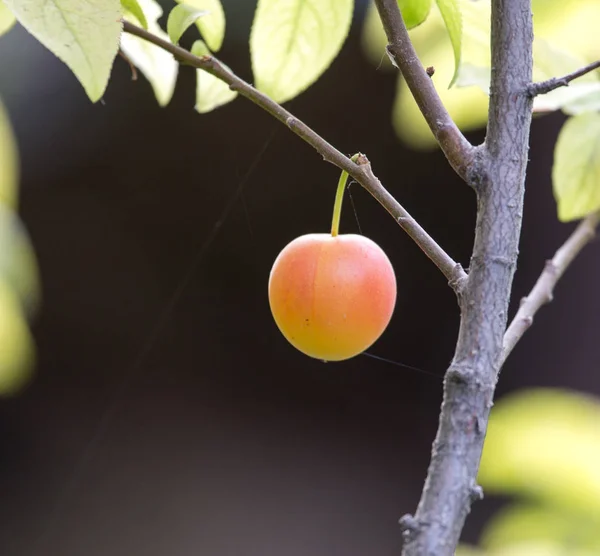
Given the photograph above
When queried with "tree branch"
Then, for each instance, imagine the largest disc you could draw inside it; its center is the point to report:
(544, 87)
(458, 150)
(470, 381)
(543, 290)
(360, 171)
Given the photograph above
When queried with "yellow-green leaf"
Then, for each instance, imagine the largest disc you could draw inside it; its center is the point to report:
(16, 344)
(211, 25)
(134, 8)
(9, 162)
(7, 18)
(211, 92)
(180, 18)
(520, 523)
(545, 444)
(18, 266)
(576, 170)
(84, 35)
(414, 12)
(294, 41)
(159, 67)
(450, 10)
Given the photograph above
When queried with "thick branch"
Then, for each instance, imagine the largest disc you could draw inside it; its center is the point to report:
(543, 290)
(361, 172)
(544, 87)
(458, 150)
(470, 381)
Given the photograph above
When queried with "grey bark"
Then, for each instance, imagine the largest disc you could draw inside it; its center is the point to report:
(498, 176)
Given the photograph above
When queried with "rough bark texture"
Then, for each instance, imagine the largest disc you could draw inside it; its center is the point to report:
(498, 176)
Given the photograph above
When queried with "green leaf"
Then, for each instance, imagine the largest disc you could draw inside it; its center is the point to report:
(211, 25)
(450, 10)
(211, 92)
(588, 102)
(520, 523)
(18, 266)
(159, 67)
(292, 43)
(576, 170)
(9, 162)
(545, 444)
(134, 8)
(84, 35)
(16, 345)
(7, 19)
(180, 18)
(414, 12)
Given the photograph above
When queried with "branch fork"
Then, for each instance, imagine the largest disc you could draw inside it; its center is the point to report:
(496, 170)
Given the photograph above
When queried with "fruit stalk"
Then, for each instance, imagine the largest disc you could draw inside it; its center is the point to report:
(339, 197)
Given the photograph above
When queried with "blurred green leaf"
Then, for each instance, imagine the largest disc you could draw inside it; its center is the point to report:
(576, 170)
(211, 25)
(9, 162)
(521, 523)
(84, 35)
(16, 345)
(211, 92)
(292, 43)
(545, 445)
(180, 18)
(451, 13)
(159, 67)
(134, 8)
(414, 12)
(7, 18)
(18, 266)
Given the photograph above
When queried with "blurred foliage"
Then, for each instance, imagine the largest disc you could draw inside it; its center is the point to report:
(19, 284)
(568, 25)
(543, 446)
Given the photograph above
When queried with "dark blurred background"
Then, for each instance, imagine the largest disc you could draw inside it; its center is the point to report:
(168, 415)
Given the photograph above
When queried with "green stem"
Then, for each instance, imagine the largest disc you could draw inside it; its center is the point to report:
(339, 197)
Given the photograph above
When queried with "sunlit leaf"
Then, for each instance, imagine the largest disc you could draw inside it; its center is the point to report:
(18, 266)
(84, 35)
(545, 444)
(180, 18)
(528, 523)
(7, 18)
(211, 25)
(451, 12)
(134, 8)
(414, 12)
(16, 344)
(576, 170)
(9, 162)
(294, 41)
(468, 106)
(159, 67)
(211, 92)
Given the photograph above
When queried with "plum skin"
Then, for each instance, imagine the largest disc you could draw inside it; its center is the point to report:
(332, 296)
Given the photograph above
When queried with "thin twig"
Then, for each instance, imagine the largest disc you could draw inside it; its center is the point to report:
(543, 290)
(360, 171)
(459, 152)
(544, 87)
(134, 74)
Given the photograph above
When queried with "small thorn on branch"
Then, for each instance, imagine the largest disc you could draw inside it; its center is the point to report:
(476, 493)
(408, 525)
